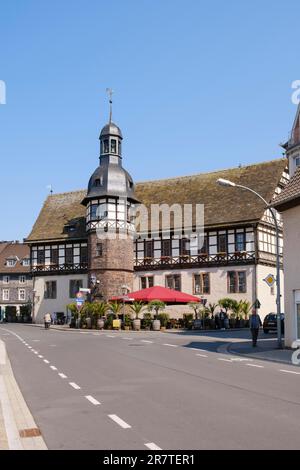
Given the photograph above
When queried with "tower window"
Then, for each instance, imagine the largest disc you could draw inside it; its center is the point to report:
(120, 147)
(106, 146)
(113, 146)
(99, 250)
(297, 160)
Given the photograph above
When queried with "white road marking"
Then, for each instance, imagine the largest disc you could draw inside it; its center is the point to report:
(152, 446)
(29, 347)
(128, 339)
(40, 356)
(53, 367)
(171, 345)
(63, 376)
(290, 371)
(224, 360)
(96, 334)
(47, 362)
(92, 400)
(36, 340)
(201, 355)
(35, 352)
(74, 385)
(119, 421)
(146, 341)
(255, 365)
(110, 336)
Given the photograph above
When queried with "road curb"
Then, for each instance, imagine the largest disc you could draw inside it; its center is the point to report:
(18, 430)
(230, 350)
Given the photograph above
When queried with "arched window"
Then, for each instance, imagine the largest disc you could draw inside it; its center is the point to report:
(106, 146)
(113, 146)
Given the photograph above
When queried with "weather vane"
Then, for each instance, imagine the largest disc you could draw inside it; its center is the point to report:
(109, 91)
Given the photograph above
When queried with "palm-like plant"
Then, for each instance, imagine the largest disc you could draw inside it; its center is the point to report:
(99, 310)
(137, 307)
(156, 305)
(195, 306)
(226, 303)
(246, 308)
(116, 308)
(210, 309)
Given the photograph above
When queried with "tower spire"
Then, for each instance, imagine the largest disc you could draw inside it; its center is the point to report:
(109, 91)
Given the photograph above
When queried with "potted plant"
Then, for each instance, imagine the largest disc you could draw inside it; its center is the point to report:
(147, 321)
(163, 318)
(156, 305)
(245, 310)
(196, 306)
(137, 308)
(86, 314)
(210, 309)
(99, 312)
(127, 322)
(187, 321)
(116, 308)
(74, 314)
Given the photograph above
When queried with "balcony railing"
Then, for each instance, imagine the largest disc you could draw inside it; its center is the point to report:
(59, 268)
(186, 261)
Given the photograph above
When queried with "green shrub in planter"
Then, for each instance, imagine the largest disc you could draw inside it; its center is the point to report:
(109, 322)
(188, 319)
(164, 318)
(147, 321)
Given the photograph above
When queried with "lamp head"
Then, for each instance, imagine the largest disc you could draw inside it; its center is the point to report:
(223, 182)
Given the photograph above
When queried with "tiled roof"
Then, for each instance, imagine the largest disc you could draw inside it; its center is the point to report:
(290, 195)
(223, 206)
(19, 251)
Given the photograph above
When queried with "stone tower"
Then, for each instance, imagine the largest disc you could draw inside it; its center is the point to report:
(110, 206)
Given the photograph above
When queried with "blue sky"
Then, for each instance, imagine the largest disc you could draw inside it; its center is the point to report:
(198, 86)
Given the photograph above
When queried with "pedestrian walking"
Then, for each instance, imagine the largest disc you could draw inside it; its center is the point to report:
(47, 320)
(254, 324)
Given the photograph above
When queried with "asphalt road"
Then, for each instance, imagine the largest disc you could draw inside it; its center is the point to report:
(147, 390)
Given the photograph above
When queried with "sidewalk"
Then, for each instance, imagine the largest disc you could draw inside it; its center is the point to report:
(18, 430)
(266, 350)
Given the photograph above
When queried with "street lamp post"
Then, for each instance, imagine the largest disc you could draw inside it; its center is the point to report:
(227, 183)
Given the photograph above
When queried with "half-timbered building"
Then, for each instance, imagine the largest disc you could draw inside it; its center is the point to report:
(236, 253)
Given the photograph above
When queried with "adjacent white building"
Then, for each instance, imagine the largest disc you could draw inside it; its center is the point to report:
(288, 203)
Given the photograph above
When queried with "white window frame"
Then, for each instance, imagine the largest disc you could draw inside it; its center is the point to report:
(5, 297)
(22, 279)
(22, 297)
(11, 263)
(26, 262)
(6, 279)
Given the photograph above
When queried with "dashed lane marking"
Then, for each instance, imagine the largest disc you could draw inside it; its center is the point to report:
(53, 367)
(289, 371)
(224, 360)
(110, 336)
(92, 400)
(171, 345)
(74, 385)
(119, 421)
(46, 361)
(255, 365)
(146, 341)
(201, 355)
(152, 446)
(63, 376)
(40, 356)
